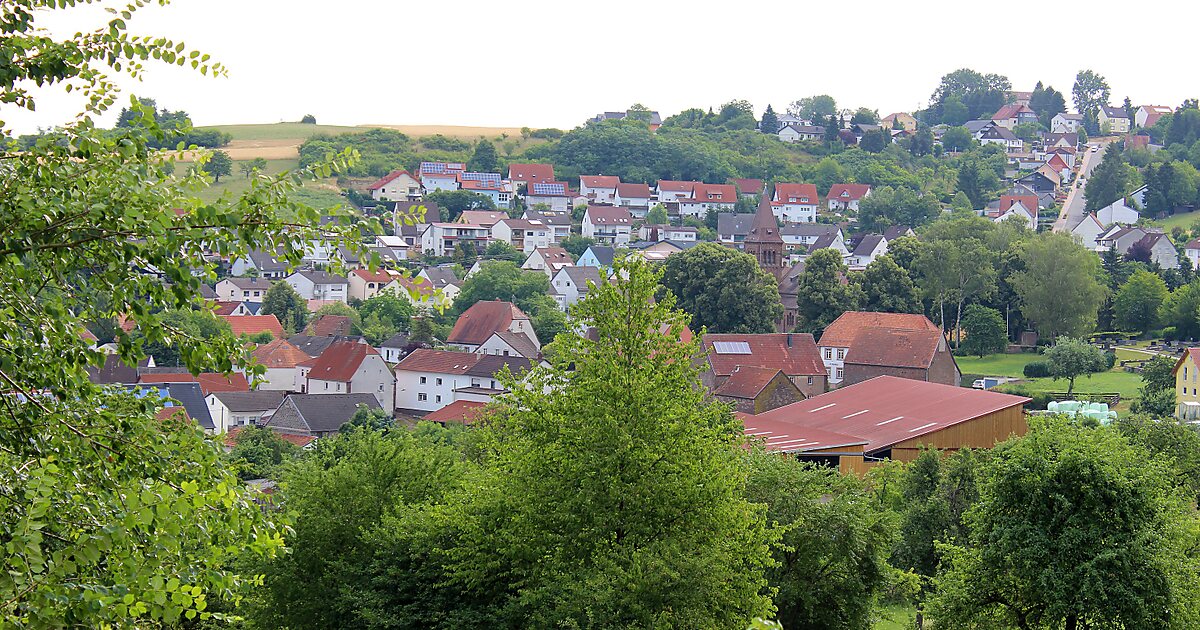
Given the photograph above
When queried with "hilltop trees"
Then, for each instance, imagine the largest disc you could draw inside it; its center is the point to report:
(770, 121)
(1047, 102)
(218, 164)
(979, 94)
(485, 159)
(814, 108)
(723, 290)
(1090, 93)
(888, 288)
(1137, 303)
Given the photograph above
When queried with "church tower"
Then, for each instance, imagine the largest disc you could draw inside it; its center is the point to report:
(764, 241)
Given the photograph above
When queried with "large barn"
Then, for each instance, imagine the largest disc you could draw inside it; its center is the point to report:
(888, 418)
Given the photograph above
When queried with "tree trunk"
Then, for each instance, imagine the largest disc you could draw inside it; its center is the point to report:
(1070, 385)
(958, 326)
(1072, 622)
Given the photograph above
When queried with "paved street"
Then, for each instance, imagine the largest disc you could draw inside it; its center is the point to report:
(1073, 209)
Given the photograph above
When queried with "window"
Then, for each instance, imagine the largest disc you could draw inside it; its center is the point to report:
(439, 381)
(439, 399)
(381, 387)
(326, 385)
(839, 374)
(810, 380)
(423, 380)
(422, 397)
(245, 294)
(841, 353)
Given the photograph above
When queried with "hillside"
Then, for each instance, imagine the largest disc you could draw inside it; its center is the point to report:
(281, 141)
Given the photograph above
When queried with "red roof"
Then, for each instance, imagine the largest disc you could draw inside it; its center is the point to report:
(378, 276)
(254, 324)
(723, 193)
(795, 354)
(747, 382)
(796, 193)
(1057, 163)
(785, 437)
(633, 191)
(481, 217)
(887, 410)
(330, 326)
(848, 192)
(298, 440)
(438, 361)
(209, 382)
(464, 411)
(531, 173)
(599, 181)
(748, 186)
(279, 354)
(383, 181)
(895, 348)
(609, 215)
(340, 361)
(675, 186)
(483, 319)
(225, 308)
(846, 328)
(1011, 111)
(1029, 201)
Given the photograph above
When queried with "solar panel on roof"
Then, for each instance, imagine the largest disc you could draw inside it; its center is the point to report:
(731, 347)
(482, 177)
(433, 167)
(549, 189)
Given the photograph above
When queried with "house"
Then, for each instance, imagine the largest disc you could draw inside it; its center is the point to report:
(1192, 252)
(733, 228)
(792, 132)
(1012, 115)
(440, 175)
(233, 308)
(209, 382)
(347, 367)
(1187, 401)
(479, 322)
(901, 119)
(835, 242)
(559, 224)
(866, 250)
(330, 326)
(1117, 212)
(748, 187)
(530, 174)
(314, 346)
(656, 233)
(486, 218)
(608, 225)
(1161, 251)
(842, 335)
(979, 127)
(636, 197)
(279, 358)
(896, 231)
(1138, 196)
(599, 188)
(498, 190)
(266, 265)
(655, 120)
(756, 390)
(428, 380)
(896, 417)
(1120, 237)
(442, 279)
(317, 415)
(319, 285)
(670, 191)
(243, 289)
(555, 196)
(548, 260)
(1040, 182)
(365, 284)
(239, 409)
(844, 197)
(921, 355)
(570, 284)
(1059, 166)
(410, 217)
(443, 239)
(825, 448)
(1088, 231)
(396, 186)
(525, 235)
(1003, 137)
(1024, 207)
(1066, 123)
(1147, 115)
(795, 354)
(395, 347)
(795, 203)
(599, 256)
(801, 235)
(458, 412)
(657, 251)
(1113, 120)
(114, 371)
(175, 397)
(251, 325)
(706, 197)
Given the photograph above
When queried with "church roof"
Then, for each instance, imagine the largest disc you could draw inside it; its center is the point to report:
(764, 229)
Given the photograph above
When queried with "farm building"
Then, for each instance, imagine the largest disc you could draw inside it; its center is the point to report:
(893, 418)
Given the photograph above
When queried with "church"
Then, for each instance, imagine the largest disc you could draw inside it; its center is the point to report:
(765, 243)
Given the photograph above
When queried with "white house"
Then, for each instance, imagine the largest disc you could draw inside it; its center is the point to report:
(1003, 137)
(427, 380)
(869, 247)
(394, 348)
(442, 279)
(554, 195)
(442, 239)
(1147, 115)
(498, 190)
(655, 233)
(319, 285)
(1066, 123)
(396, 186)
(280, 358)
(485, 318)
(440, 175)
(1162, 251)
(599, 188)
(571, 284)
(347, 367)
(1088, 232)
(705, 197)
(1023, 206)
(844, 197)
(801, 235)
(1117, 212)
(242, 289)
(366, 284)
(524, 234)
(559, 224)
(795, 203)
(548, 260)
(264, 264)
(1192, 252)
(609, 225)
(636, 197)
(792, 132)
(509, 344)
(669, 191)
(239, 409)
(599, 256)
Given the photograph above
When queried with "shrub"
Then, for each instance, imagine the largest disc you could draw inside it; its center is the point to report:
(308, 119)
(1037, 369)
(1110, 359)
(546, 134)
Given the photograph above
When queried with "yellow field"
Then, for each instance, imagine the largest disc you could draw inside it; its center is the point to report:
(453, 131)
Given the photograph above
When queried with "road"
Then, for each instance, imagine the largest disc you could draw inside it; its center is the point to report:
(1073, 209)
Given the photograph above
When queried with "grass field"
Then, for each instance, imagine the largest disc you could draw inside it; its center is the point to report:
(319, 194)
(1115, 380)
(281, 131)
(897, 618)
(995, 364)
(1183, 220)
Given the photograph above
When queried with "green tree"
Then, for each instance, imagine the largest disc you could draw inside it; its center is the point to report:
(875, 141)
(955, 112)
(502, 280)
(887, 288)
(1181, 311)
(484, 159)
(1058, 288)
(986, 332)
(957, 139)
(655, 216)
(576, 245)
(564, 530)
(1158, 374)
(343, 310)
(979, 94)
(196, 324)
(1109, 181)
(865, 116)
(376, 330)
(723, 290)
(287, 306)
(257, 452)
(979, 177)
(904, 251)
(308, 119)
(770, 121)
(830, 531)
(922, 143)
(1137, 303)
(1090, 92)
(956, 266)
(453, 202)
(1175, 441)
(822, 293)
(421, 329)
(499, 250)
(1071, 358)
(368, 419)
(814, 108)
(218, 164)
(112, 516)
(1047, 103)
(250, 167)
(887, 206)
(1074, 528)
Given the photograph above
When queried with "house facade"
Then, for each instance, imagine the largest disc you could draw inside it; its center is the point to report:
(347, 367)
(608, 225)
(795, 203)
(599, 188)
(844, 197)
(319, 285)
(427, 380)
(396, 186)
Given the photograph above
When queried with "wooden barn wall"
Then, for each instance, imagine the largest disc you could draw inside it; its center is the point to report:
(982, 432)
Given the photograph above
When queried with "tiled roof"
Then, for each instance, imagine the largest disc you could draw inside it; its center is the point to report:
(482, 217)
(280, 353)
(633, 191)
(464, 411)
(381, 275)
(895, 231)
(322, 277)
(209, 382)
(330, 326)
(603, 254)
(340, 361)
(231, 437)
(383, 181)
(250, 284)
(794, 353)
(225, 308)
(478, 323)
(328, 412)
(894, 348)
(848, 192)
(801, 193)
(867, 244)
(599, 181)
(609, 215)
(808, 229)
(747, 382)
(846, 328)
(1029, 201)
(764, 228)
(531, 172)
(314, 346)
(667, 185)
(717, 193)
(254, 324)
(748, 186)
(261, 400)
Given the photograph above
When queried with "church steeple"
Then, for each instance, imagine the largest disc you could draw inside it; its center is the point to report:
(764, 241)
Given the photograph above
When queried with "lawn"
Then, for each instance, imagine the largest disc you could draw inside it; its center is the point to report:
(995, 364)
(319, 194)
(282, 131)
(896, 617)
(1115, 380)
(1183, 220)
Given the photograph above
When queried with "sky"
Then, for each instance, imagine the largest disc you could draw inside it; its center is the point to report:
(553, 64)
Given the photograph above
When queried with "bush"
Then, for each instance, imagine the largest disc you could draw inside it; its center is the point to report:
(546, 134)
(1169, 333)
(308, 119)
(1038, 400)
(1110, 359)
(1037, 369)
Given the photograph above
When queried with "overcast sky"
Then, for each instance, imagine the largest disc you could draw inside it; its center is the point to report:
(537, 63)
